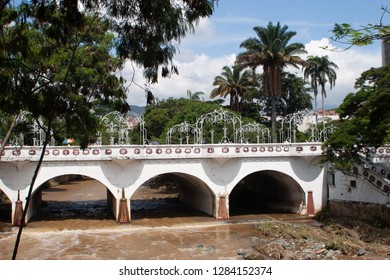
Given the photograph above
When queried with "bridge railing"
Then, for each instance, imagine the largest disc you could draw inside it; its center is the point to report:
(134, 152)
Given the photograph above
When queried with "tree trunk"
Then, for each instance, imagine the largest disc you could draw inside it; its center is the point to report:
(7, 135)
(273, 120)
(18, 237)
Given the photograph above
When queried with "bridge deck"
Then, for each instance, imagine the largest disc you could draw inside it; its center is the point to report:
(128, 152)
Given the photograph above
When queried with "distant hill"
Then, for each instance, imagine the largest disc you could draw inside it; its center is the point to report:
(137, 109)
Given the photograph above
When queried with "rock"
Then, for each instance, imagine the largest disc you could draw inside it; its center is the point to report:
(211, 248)
(241, 252)
(361, 252)
(199, 245)
(330, 254)
(311, 256)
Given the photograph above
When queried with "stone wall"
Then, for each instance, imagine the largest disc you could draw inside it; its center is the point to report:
(361, 211)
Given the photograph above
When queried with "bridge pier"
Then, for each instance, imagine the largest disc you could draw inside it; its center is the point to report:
(222, 211)
(18, 213)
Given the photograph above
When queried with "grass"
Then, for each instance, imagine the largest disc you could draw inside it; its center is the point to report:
(286, 230)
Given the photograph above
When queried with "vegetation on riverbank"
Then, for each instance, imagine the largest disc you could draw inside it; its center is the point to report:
(332, 238)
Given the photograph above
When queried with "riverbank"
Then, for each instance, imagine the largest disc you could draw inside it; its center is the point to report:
(335, 238)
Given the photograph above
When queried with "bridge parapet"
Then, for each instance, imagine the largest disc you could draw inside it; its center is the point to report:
(134, 152)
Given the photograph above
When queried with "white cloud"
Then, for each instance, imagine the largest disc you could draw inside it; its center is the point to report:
(351, 64)
(196, 73)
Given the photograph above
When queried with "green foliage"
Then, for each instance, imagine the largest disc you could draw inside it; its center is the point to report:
(365, 35)
(60, 59)
(62, 66)
(148, 31)
(235, 82)
(159, 118)
(295, 96)
(365, 119)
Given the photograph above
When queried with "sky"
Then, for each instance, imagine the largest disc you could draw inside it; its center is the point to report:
(216, 43)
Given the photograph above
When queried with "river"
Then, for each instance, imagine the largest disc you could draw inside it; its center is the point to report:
(76, 224)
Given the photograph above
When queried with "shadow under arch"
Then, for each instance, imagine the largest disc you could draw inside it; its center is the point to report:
(172, 195)
(266, 191)
(5, 208)
(71, 196)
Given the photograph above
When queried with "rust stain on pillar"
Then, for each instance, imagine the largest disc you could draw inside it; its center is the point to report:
(123, 216)
(310, 203)
(18, 213)
(222, 209)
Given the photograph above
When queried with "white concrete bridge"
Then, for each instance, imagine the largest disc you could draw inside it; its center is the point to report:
(285, 177)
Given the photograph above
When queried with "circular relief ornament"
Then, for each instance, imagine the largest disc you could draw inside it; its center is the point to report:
(136, 151)
(168, 151)
(76, 152)
(210, 150)
(86, 152)
(254, 149)
(149, 151)
(56, 152)
(270, 149)
(187, 150)
(65, 152)
(278, 149)
(178, 151)
(262, 149)
(32, 152)
(197, 150)
(159, 151)
(96, 152)
(108, 152)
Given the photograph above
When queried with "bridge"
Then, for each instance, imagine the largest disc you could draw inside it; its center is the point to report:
(210, 158)
(288, 177)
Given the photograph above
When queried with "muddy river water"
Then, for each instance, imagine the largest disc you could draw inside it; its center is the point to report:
(75, 224)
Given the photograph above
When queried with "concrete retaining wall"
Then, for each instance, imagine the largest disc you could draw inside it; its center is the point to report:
(360, 210)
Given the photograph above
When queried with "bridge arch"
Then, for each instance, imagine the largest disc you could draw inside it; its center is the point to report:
(192, 191)
(266, 190)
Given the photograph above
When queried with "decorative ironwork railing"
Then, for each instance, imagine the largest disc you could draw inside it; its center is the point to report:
(216, 127)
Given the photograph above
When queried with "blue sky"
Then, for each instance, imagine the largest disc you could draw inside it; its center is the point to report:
(216, 41)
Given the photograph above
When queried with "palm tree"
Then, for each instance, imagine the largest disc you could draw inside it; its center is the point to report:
(271, 50)
(320, 70)
(234, 82)
(194, 95)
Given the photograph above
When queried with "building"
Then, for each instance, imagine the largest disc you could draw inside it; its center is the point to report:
(386, 51)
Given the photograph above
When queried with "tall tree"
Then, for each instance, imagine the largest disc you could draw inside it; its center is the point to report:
(365, 120)
(234, 82)
(271, 49)
(320, 70)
